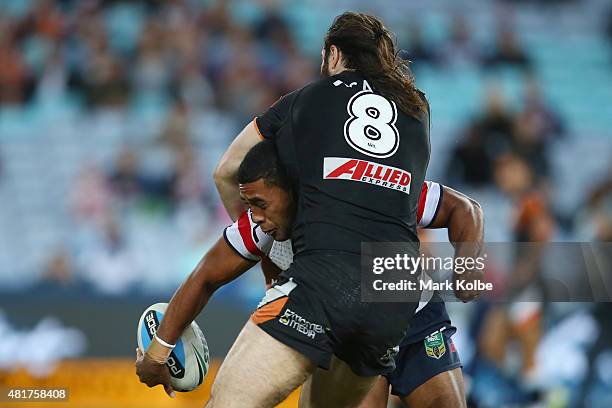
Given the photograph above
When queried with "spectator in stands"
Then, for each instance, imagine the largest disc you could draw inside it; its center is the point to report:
(484, 139)
(217, 19)
(17, 82)
(507, 51)
(460, 49)
(550, 124)
(52, 79)
(124, 180)
(108, 263)
(193, 87)
(496, 121)
(598, 211)
(282, 63)
(59, 269)
(418, 50)
(45, 20)
(599, 207)
(152, 72)
(105, 80)
(189, 186)
(529, 145)
(535, 128)
(146, 177)
(59, 276)
(240, 72)
(272, 26)
(521, 320)
(470, 162)
(175, 131)
(90, 197)
(533, 221)
(194, 197)
(298, 70)
(157, 173)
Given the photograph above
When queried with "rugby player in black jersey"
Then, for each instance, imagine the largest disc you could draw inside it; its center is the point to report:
(421, 380)
(356, 147)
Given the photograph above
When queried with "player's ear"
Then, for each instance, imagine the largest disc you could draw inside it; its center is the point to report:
(334, 57)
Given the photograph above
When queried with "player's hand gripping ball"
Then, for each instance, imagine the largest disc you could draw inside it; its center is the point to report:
(188, 362)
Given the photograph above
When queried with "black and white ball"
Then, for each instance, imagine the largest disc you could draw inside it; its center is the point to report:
(188, 362)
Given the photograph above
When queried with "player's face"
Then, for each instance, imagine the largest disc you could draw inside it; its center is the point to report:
(271, 206)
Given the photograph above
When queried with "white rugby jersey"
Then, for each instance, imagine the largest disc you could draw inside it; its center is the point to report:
(251, 243)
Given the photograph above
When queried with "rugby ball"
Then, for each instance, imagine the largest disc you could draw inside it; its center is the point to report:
(188, 362)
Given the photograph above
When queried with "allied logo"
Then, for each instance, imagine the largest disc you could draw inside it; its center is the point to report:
(301, 325)
(434, 345)
(341, 168)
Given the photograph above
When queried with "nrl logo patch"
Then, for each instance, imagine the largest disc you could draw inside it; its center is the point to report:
(434, 345)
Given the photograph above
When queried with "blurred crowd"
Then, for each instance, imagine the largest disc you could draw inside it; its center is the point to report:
(112, 55)
(188, 58)
(107, 56)
(184, 60)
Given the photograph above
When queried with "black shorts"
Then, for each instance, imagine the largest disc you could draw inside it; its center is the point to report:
(316, 309)
(419, 361)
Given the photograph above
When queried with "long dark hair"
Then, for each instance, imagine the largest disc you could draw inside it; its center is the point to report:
(368, 47)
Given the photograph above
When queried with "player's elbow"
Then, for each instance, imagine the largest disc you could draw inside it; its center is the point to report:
(224, 172)
(210, 286)
(211, 281)
(207, 279)
(475, 210)
(466, 208)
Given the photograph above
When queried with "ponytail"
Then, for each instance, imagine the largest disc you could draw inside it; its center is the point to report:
(368, 47)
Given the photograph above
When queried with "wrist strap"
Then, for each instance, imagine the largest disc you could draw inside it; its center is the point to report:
(163, 343)
(157, 351)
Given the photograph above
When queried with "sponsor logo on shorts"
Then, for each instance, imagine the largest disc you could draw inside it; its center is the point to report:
(390, 354)
(453, 349)
(277, 291)
(434, 345)
(341, 168)
(298, 323)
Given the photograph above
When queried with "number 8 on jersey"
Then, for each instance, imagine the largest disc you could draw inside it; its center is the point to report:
(370, 128)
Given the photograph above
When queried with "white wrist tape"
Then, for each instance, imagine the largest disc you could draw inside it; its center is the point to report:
(163, 343)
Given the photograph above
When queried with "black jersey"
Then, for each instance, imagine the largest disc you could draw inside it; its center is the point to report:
(357, 163)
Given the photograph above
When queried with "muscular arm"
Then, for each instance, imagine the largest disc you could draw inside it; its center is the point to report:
(464, 219)
(227, 170)
(219, 266)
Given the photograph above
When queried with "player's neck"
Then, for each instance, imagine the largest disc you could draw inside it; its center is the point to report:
(340, 69)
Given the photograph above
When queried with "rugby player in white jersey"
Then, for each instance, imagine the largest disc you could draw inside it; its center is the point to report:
(436, 382)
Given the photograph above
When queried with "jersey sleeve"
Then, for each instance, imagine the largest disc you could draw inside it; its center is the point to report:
(269, 123)
(429, 203)
(247, 239)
